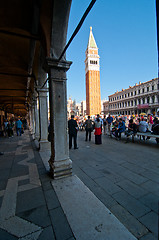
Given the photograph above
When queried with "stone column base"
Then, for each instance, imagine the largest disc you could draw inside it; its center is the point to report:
(44, 146)
(37, 137)
(61, 169)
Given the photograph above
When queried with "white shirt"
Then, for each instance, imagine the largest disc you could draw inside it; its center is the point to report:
(143, 126)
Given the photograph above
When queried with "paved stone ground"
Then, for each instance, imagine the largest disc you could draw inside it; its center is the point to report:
(29, 207)
(125, 177)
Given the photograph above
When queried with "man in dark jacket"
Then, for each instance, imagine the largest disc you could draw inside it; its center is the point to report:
(89, 128)
(72, 130)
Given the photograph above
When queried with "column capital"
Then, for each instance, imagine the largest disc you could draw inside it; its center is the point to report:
(39, 89)
(52, 63)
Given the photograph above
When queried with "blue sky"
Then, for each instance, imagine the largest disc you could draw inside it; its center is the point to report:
(126, 35)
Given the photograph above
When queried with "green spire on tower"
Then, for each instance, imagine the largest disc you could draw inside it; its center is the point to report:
(91, 42)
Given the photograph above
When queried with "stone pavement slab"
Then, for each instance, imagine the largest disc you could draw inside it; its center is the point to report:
(25, 200)
(107, 185)
(129, 221)
(152, 201)
(132, 167)
(61, 226)
(149, 236)
(88, 217)
(133, 189)
(151, 186)
(151, 221)
(37, 215)
(47, 234)
(4, 235)
(134, 206)
(151, 175)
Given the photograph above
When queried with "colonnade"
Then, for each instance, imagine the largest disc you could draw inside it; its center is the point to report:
(55, 90)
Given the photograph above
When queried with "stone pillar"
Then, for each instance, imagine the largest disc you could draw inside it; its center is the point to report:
(141, 101)
(43, 119)
(60, 163)
(150, 100)
(33, 118)
(156, 99)
(37, 134)
(30, 119)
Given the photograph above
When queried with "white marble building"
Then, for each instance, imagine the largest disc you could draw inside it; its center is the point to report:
(143, 97)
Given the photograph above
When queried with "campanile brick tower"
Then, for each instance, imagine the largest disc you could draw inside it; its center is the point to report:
(92, 71)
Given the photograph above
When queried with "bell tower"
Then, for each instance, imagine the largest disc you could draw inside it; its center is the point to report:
(92, 73)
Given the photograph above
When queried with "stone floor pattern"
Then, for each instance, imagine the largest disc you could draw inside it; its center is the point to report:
(27, 211)
(124, 177)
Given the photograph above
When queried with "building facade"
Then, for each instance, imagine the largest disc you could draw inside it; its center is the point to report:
(143, 97)
(92, 72)
(83, 108)
(105, 107)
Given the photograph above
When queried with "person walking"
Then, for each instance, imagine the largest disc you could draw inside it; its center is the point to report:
(9, 129)
(88, 128)
(19, 127)
(72, 130)
(109, 121)
(5, 127)
(104, 124)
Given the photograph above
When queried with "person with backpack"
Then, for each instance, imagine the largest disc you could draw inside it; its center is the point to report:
(88, 128)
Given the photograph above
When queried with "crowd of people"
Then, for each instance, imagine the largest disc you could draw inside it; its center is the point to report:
(113, 126)
(9, 126)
